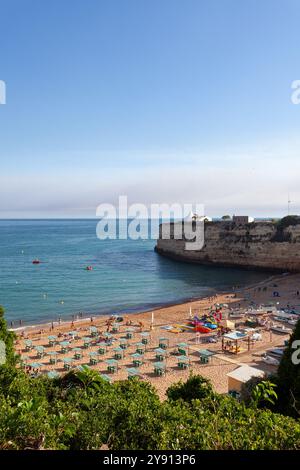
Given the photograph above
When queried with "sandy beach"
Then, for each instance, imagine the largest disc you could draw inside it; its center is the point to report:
(286, 286)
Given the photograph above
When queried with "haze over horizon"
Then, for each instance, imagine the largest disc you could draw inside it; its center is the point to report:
(165, 102)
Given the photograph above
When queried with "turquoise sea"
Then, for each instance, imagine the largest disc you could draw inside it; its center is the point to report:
(127, 275)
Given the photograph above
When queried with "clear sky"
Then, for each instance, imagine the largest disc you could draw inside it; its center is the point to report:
(161, 100)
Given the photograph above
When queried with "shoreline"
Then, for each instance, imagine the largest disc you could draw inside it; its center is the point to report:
(188, 302)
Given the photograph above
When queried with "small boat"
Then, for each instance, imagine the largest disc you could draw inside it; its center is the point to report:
(277, 352)
(270, 360)
(281, 329)
(281, 319)
(211, 326)
(36, 261)
(234, 316)
(202, 329)
(89, 268)
(254, 312)
(292, 322)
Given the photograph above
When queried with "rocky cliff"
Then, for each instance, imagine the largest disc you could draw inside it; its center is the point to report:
(258, 245)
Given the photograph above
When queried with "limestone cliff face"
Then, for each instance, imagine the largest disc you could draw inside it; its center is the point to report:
(257, 245)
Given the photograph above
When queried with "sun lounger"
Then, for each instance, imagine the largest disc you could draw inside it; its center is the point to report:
(159, 368)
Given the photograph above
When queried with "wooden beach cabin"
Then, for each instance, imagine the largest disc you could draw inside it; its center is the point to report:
(241, 375)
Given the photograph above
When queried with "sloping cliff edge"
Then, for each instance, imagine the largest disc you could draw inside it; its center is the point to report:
(268, 246)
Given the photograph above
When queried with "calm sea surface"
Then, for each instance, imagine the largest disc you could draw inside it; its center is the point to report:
(127, 275)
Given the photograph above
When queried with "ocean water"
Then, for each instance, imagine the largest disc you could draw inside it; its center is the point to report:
(127, 275)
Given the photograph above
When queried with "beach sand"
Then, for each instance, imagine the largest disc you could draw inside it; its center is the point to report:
(262, 293)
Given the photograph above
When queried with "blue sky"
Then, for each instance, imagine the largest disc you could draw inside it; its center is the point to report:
(161, 100)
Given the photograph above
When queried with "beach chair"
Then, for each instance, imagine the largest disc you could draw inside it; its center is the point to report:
(160, 354)
(205, 356)
(102, 347)
(129, 333)
(40, 351)
(112, 366)
(140, 348)
(53, 357)
(159, 368)
(145, 337)
(105, 377)
(163, 343)
(123, 343)
(64, 346)
(86, 342)
(115, 328)
(93, 331)
(132, 373)
(137, 359)
(28, 345)
(53, 374)
(93, 358)
(183, 362)
(52, 340)
(77, 353)
(183, 349)
(68, 363)
(118, 353)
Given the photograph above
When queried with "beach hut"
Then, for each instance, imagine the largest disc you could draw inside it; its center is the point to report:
(64, 346)
(145, 337)
(183, 362)
(68, 363)
(183, 349)
(160, 368)
(40, 350)
(86, 342)
(163, 343)
(137, 359)
(52, 357)
(52, 339)
(205, 355)
(94, 358)
(118, 353)
(102, 348)
(140, 348)
(78, 353)
(160, 354)
(132, 372)
(112, 365)
(28, 345)
(240, 376)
